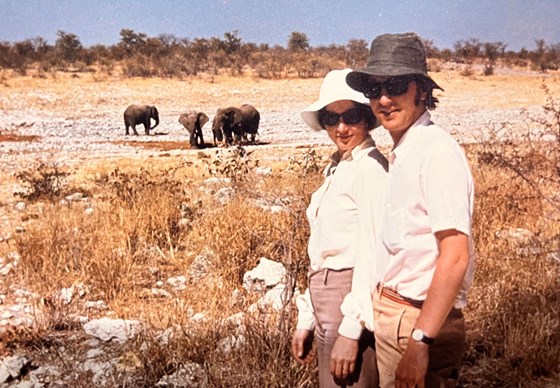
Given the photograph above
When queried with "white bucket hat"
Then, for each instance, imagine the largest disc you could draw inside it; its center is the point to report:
(334, 88)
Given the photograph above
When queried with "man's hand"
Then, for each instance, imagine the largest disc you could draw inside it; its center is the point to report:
(302, 340)
(343, 357)
(413, 366)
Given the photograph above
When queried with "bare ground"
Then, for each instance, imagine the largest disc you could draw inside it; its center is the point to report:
(76, 120)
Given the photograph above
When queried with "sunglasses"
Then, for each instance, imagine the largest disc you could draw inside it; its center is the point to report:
(349, 117)
(396, 86)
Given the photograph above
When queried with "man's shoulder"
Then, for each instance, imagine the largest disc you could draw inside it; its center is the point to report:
(434, 136)
(376, 159)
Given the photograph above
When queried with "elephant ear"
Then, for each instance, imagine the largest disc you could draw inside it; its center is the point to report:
(237, 117)
(184, 119)
(202, 119)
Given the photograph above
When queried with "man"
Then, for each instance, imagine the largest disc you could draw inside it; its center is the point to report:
(426, 259)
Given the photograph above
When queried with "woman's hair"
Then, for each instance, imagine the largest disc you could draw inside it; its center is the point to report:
(425, 85)
(365, 111)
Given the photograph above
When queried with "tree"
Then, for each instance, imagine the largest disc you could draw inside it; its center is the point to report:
(298, 42)
(232, 42)
(131, 41)
(431, 50)
(357, 52)
(68, 46)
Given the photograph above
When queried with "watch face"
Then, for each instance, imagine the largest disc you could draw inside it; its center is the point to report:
(417, 335)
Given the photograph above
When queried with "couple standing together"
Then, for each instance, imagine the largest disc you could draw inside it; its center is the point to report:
(391, 251)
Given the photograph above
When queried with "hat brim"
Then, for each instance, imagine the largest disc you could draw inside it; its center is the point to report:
(361, 79)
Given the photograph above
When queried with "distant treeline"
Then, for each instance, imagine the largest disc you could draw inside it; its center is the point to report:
(137, 55)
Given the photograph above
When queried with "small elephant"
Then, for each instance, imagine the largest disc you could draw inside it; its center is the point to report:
(227, 123)
(193, 121)
(140, 114)
(250, 122)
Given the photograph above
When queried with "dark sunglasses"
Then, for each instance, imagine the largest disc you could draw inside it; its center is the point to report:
(351, 116)
(396, 86)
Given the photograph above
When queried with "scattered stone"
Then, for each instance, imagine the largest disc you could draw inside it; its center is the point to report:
(190, 375)
(107, 329)
(97, 305)
(200, 267)
(76, 197)
(157, 292)
(267, 274)
(20, 206)
(11, 368)
(178, 282)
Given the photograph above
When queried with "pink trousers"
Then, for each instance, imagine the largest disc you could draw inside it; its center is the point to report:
(328, 288)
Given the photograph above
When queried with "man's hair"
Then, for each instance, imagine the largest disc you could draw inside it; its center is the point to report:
(425, 86)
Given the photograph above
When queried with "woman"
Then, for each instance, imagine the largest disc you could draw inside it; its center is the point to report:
(343, 214)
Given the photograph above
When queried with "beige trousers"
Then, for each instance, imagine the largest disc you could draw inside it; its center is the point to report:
(394, 323)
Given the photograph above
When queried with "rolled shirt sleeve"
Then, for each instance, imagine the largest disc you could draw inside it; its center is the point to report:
(306, 317)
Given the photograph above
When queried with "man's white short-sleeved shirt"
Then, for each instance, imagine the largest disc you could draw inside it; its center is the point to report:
(430, 189)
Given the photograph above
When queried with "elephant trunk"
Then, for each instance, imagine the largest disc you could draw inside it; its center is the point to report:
(157, 122)
(155, 115)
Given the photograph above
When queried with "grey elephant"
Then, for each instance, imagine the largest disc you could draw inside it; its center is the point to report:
(140, 114)
(250, 122)
(226, 126)
(193, 121)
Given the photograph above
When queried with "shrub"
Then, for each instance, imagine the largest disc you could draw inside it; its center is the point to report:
(42, 182)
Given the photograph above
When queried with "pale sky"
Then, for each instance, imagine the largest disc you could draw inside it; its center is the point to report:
(518, 23)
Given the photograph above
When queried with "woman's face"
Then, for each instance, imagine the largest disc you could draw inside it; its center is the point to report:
(345, 136)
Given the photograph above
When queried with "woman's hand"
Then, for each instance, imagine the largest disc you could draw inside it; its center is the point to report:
(302, 341)
(343, 357)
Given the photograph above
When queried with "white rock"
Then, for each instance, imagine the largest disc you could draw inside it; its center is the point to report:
(107, 329)
(265, 275)
(20, 206)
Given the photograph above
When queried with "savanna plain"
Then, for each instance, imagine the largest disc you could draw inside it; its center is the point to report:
(147, 230)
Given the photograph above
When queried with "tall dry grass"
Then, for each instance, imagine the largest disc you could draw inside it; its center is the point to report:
(149, 225)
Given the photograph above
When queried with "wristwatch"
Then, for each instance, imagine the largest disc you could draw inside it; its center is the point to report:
(419, 336)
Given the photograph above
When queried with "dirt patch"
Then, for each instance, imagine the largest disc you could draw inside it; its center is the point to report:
(18, 138)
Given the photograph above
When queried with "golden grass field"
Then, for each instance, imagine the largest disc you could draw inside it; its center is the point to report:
(134, 236)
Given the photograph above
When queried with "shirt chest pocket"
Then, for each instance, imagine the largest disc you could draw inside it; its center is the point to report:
(392, 229)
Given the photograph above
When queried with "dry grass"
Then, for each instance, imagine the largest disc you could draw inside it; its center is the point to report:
(149, 224)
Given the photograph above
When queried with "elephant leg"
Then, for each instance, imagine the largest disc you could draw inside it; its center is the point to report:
(193, 139)
(134, 129)
(126, 129)
(147, 128)
(198, 136)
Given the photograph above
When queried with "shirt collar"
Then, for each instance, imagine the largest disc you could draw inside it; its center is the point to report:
(407, 140)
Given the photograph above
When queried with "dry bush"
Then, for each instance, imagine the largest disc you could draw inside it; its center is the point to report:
(467, 71)
(513, 324)
(111, 248)
(241, 231)
(42, 182)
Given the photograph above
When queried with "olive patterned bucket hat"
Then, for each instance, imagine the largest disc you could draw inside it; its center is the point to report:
(392, 55)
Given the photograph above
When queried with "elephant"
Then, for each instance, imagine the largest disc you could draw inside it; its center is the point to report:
(140, 114)
(227, 124)
(250, 122)
(193, 121)
(235, 123)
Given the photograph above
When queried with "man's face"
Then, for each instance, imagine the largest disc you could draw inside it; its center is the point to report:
(397, 112)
